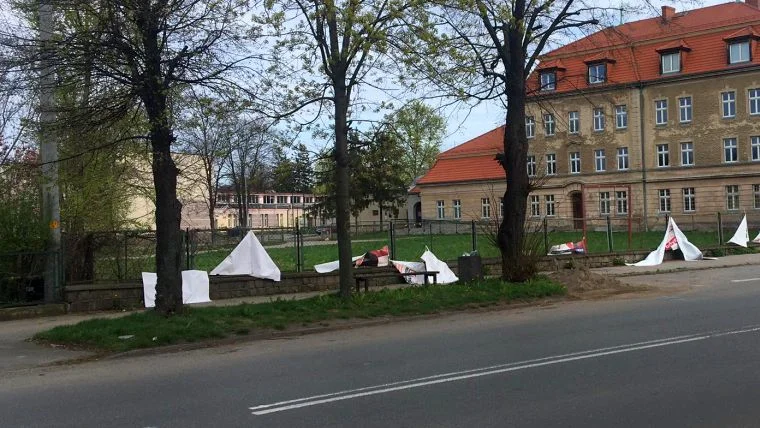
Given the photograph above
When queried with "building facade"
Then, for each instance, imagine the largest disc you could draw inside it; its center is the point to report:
(648, 119)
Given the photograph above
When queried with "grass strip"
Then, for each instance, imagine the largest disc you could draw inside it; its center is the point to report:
(147, 329)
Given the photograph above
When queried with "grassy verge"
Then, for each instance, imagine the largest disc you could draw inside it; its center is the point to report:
(150, 330)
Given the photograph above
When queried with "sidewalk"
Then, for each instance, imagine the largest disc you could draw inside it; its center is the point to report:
(17, 353)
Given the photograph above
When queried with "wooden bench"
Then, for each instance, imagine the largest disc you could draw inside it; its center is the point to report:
(364, 278)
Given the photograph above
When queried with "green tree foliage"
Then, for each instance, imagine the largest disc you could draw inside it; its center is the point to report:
(303, 170)
(283, 172)
(420, 131)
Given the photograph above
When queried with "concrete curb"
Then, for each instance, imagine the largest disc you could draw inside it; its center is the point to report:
(33, 311)
(667, 270)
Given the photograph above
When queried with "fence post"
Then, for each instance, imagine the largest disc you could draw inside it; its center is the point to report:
(392, 237)
(474, 237)
(298, 248)
(546, 236)
(430, 228)
(720, 230)
(610, 246)
(126, 255)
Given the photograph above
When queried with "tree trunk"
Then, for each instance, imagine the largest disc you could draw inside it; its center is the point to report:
(342, 200)
(511, 235)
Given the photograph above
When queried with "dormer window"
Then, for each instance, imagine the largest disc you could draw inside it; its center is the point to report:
(738, 52)
(597, 73)
(670, 62)
(548, 80)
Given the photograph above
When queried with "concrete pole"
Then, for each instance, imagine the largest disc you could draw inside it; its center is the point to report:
(51, 208)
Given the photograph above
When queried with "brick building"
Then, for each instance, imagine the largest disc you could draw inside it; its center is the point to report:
(646, 119)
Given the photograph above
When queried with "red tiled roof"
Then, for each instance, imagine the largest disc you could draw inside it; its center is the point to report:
(414, 190)
(674, 45)
(634, 46)
(470, 161)
(744, 32)
(552, 64)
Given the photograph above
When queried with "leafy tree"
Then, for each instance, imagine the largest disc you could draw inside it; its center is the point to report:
(303, 171)
(420, 131)
(283, 173)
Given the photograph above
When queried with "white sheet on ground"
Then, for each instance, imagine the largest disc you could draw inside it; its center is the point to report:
(409, 267)
(432, 263)
(741, 237)
(673, 239)
(334, 265)
(249, 258)
(195, 287)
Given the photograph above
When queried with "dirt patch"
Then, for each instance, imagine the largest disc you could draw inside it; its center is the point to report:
(583, 284)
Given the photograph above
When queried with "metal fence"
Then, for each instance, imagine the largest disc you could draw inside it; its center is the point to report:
(22, 277)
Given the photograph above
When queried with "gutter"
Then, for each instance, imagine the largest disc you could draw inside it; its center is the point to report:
(643, 157)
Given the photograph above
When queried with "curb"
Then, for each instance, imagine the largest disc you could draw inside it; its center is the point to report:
(33, 311)
(671, 270)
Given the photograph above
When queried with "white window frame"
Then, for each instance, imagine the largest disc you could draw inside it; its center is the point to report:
(598, 119)
(622, 159)
(535, 206)
(753, 96)
(600, 160)
(594, 77)
(485, 208)
(754, 144)
(551, 164)
(548, 80)
(531, 166)
(549, 125)
(530, 127)
(756, 196)
(732, 197)
(574, 122)
(687, 153)
(684, 110)
(457, 204)
(730, 150)
(661, 112)
(728, 103)
(739, 52)
(621, 202)
(664, 205)
(621, 116)
(550, 211)
(605, 203)
(575, 163)
(670, 62)
(663, 155)
(689, 200)
(440, 208)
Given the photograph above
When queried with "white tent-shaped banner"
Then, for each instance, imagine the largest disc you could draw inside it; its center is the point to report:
(334, 265)
(757, 238)
(249, 258)
(429, 263)
(741, 237)
(674, 239)
(194, 287)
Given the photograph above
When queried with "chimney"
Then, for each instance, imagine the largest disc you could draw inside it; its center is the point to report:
(669, 11)
(753, 3)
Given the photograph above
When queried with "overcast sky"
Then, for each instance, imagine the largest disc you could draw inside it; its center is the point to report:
(464, 125)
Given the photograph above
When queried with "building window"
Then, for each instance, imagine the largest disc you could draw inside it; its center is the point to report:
(687, 154)
(754, 101)
(684, 109)
(457, 208)
(530, 127)
(575, 163)
(663, 155)
(661, 112)
(535, 206)
(670, 63)
(375, 213)
(622, 158)
(551, 164)
(664, 200)
(730, 150)
(531, 166)
(549, 205)
(621, 202)
(548, 81)
(549, 124)
(282, 199)
(598, 119)
(501, 206)
(732, 197)
(689, 200)
(604, 203)
(265, 220)
(573, 122)
(738, 52)
(728, 100)
(621, 116)
(440, 209)
(600, 160)
(308, 199)
(295, 199)
(597, 73)
(755, 148)
(269, 199)
(485, 208)
(756, 195)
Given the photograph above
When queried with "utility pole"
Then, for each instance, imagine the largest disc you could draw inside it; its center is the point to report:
(51, 208)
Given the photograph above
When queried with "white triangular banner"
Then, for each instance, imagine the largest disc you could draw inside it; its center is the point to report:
(249, 258)
(741, 237)
(757, 238)
(673, 239)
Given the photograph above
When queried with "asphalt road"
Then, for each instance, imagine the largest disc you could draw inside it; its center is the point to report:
(687, 358)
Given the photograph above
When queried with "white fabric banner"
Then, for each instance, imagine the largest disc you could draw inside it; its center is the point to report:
(409, 267)
(249, 258)
(195, 287)
(334, 265)
(757, 238)
(673, 240)
(432, 263)
(741, 237)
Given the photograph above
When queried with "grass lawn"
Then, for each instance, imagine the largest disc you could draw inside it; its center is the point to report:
(150, 330)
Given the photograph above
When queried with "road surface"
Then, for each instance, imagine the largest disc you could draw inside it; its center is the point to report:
(687, 358)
